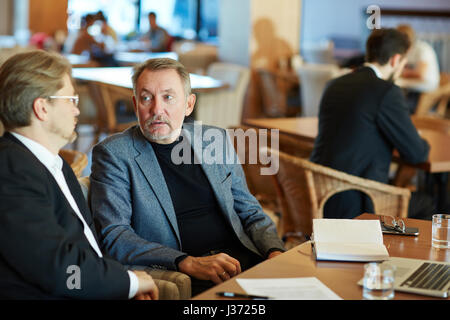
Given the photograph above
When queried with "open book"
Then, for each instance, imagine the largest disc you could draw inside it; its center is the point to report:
(348, 240)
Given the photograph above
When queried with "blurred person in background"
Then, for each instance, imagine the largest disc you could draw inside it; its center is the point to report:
(158, 37)
(422, 66)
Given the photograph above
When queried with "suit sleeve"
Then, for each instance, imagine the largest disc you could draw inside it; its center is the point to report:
(395, 122)
(111, 205)
(41, 250)
(257, 225)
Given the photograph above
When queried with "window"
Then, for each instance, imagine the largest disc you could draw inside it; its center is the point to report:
(189, 19)
(121, 14)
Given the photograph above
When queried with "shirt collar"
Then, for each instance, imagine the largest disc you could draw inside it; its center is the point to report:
(48, 159)
(375, 69)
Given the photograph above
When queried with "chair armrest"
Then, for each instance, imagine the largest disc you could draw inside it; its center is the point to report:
(167, 292)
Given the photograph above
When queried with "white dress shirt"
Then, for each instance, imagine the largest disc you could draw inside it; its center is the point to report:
(375, 69)
(54, 164)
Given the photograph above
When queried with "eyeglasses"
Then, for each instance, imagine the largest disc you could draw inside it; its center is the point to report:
(396, 225)
(74, 99)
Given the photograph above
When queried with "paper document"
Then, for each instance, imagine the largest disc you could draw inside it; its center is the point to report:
(349, 240)
(289, 288)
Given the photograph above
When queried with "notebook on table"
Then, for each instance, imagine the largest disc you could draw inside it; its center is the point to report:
(348, 240)
(430, 278)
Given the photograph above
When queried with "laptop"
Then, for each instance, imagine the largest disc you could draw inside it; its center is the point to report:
(426, 277)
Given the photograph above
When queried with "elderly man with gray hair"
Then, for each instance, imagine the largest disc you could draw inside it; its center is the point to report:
(194, 216)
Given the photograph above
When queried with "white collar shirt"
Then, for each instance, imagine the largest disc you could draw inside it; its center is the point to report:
(375, 69)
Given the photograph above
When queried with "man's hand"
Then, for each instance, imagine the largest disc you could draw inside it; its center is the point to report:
(147, 288)
(217, 268)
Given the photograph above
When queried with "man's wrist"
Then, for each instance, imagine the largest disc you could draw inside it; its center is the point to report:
(178, 260)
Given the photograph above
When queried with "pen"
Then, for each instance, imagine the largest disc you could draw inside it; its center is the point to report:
(241, 295)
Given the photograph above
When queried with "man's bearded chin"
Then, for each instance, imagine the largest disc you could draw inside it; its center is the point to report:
(159, 138)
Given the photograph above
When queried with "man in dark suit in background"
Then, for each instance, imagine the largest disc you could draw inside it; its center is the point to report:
(48, 249)
(363, 117)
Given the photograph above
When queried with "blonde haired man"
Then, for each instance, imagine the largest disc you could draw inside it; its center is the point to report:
(48, 246)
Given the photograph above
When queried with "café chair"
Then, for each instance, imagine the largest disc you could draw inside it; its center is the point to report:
(313, 79)
(172, 285)
(279, 94)
(439, 98)
(106, 99)
(262, 187)
(223, 107)
(304, 187)
(76, 159)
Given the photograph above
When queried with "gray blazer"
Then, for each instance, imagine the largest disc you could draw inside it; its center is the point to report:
(133, 210)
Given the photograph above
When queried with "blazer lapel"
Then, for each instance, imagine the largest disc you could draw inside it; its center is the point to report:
(149, 165)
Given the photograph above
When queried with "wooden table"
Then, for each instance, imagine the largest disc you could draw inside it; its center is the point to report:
(130, 58)
(121, 77)
(341, 277)
(306, 129)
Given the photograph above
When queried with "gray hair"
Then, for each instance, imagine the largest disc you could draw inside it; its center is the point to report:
(162, 64)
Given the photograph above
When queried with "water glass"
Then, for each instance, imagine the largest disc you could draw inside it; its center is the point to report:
(378, 282)
(440, 235)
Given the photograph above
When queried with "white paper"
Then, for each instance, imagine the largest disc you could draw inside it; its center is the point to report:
(289, 288)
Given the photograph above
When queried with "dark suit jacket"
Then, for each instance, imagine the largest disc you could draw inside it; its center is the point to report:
(362, 118)
(41, 236)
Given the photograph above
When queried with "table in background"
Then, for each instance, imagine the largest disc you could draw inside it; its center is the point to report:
(121, 77)
(306, 129)
(341, 277)
(127, 58)
(438, 162)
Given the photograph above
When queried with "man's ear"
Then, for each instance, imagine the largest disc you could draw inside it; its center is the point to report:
(134, 104)
(40, 108)
(190, 104)
(395, 60)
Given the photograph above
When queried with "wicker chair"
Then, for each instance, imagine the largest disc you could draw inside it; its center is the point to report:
(109, 120)
(172, 285)
(76, 159)
(262, 186)
(439, 97)
(304, 187)
(223, 108)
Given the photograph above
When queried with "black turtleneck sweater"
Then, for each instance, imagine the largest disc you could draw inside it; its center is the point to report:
(202, 224)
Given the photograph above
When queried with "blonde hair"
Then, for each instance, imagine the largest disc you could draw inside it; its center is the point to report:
(408, 30)
(25, 77)
(162, 64)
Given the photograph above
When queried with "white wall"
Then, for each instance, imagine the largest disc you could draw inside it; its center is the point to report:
(234, 31)
(325, 18)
